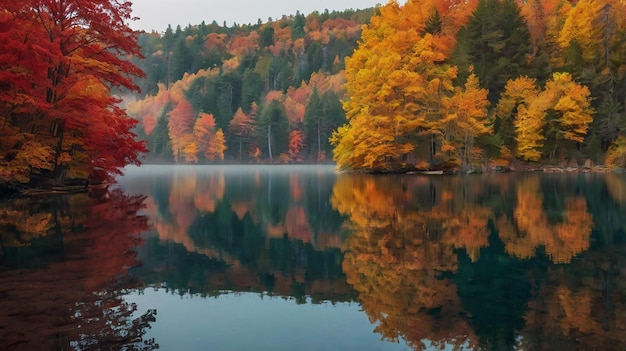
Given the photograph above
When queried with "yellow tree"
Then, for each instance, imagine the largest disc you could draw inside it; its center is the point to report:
(517, 92)
(571, 104)
(398, 84)
(563, 108)
(217, 146)
(466, 119)
(528, 129)
(580, 29)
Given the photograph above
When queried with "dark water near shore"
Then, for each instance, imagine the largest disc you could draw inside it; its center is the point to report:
(303, 258)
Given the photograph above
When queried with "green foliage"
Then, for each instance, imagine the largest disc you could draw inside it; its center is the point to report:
(323, 115)
(160, 145)
(266, 37)
(496, 43)
(297, 26)
(272, 130)
(252, 86)
(433, 23)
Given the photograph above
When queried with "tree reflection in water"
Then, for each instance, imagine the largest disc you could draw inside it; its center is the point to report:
(65, 262)
(491, 262)
(262, 229)
(488, 262)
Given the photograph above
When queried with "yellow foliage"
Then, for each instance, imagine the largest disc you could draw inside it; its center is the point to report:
(573, 102)
(517, 91)
(568, 99)
(562, 241)
(616, 155)
(27, 151)
(397, 85)
(217, 146)
(579, 26)
(528, 131)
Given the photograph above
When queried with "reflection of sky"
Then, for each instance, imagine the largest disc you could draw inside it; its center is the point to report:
(247, 321)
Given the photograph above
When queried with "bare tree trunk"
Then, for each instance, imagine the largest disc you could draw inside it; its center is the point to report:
(319, 141)
(240, 148)
(269, 140)
(59, 130)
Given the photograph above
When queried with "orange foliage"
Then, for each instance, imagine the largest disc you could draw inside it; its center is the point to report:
(273, 95)
(150, 108)
(294, 110)
(324, 82)
(230, 64)
(531, 229)
(242, 46)
(214, 41)
(204, 132)
(397, 86)
(181, 126)
(397, 255)
(296, 143)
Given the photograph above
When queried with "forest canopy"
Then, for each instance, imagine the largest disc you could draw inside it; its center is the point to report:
(429, 84)
(471, 84)
(268, 92)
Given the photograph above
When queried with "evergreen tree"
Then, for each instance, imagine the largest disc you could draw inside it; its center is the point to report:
(267, 36)
(313, 120)
(297, 26)
(272, 130)
(315, 59)
(160, 145)
(433, 23)
(251, 89)
(180, 60)
(496, 43)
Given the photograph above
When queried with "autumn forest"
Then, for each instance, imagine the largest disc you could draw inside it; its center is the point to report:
(427, 85)
(460, 85)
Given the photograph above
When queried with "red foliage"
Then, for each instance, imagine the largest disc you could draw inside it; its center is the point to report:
(244, 46)
(296, 144)
(73, 300)
(59, 61)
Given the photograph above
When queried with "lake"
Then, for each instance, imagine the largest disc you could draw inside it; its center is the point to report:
(305, 258)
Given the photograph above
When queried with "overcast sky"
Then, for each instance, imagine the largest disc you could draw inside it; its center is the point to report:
(157, 14)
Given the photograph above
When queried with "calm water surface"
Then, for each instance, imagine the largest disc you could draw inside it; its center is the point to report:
(303, 258)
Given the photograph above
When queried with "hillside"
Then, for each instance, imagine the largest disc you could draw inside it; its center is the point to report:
(267, 92)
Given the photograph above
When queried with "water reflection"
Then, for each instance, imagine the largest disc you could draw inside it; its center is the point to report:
(266, 229)
(483, 262)
(497, 262)
(63, 271)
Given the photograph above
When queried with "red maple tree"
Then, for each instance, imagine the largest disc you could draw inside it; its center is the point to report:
(60, 62)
